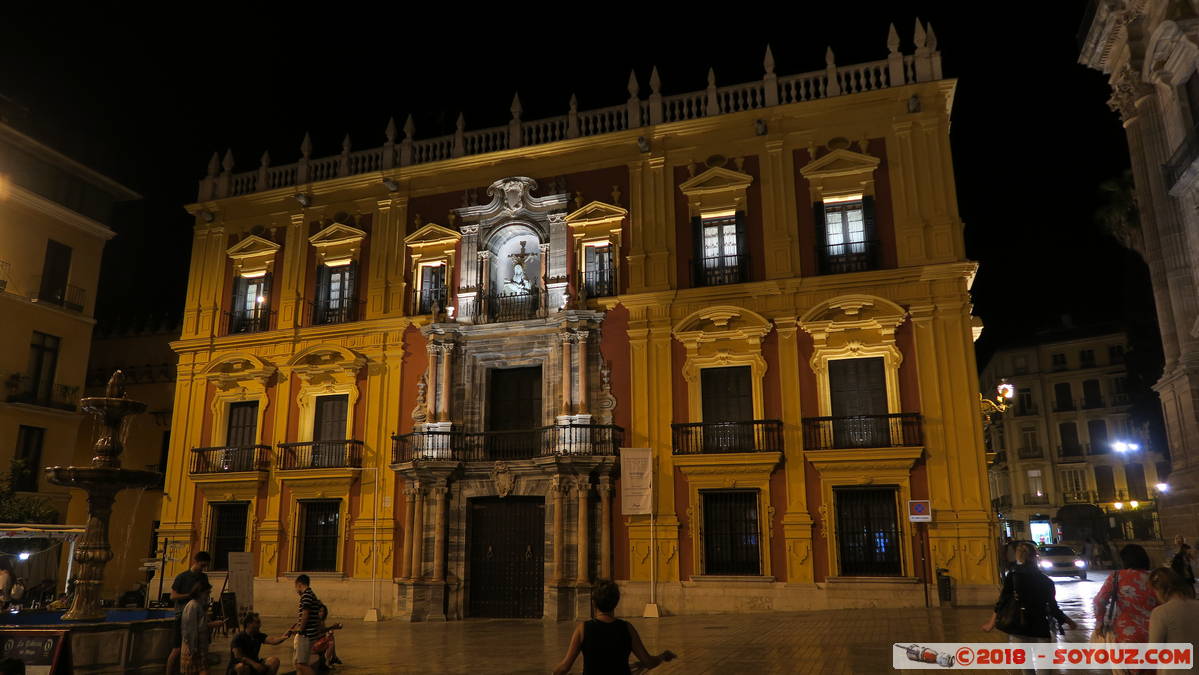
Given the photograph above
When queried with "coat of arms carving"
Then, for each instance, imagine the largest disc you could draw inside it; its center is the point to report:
(503, 478)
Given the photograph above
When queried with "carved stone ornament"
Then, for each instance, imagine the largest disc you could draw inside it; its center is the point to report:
(420, 411)
(504, 480)
(1127, 89)
(605, 403)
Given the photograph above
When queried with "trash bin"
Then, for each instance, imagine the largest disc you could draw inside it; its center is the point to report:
(944, 585)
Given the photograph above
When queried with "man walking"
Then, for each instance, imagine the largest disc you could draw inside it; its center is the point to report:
(181, 593)
(308, 626)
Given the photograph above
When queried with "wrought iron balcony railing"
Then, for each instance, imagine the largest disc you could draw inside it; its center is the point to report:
(716, 437)
(1025, 411)
(1066, 405)
(231, 459)
(1035, 499)
(1079, 497)
(320, 455)
(1000, 458)
(863, 431)
(857, 256)
(326, 313)
(25, 389)
(1033, 452)
(247, 320)
(1001, 502)
(489, 446)
(720, 270)
(599, 283)
(1072, 453)
(424, 299)
(501, 307)
(1121, 399)
(1092, 402)
(63, 295)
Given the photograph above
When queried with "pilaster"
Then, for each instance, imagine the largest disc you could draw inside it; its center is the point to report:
(295, 258)
(779, 219)
(797, 520)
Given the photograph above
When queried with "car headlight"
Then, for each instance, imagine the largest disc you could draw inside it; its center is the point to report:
(1080, 563)
(1046, 564)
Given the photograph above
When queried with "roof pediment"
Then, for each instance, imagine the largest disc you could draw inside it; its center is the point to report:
(597, 212)
(252, 246)
(337, 233)
(432, 234)
(716, 179)
(840, 162)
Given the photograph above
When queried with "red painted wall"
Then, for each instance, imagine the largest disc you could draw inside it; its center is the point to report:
(614, 349)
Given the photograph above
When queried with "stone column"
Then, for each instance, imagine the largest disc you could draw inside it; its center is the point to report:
(443, 404)
(584, 381)
(583, 576)
(566, 379)
(605, 492)
(559, 527)
(409, 522)
(431, 378)
(418, 536)
(485, 272)
(439, 493)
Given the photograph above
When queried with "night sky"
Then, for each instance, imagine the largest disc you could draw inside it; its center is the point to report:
(149, 100)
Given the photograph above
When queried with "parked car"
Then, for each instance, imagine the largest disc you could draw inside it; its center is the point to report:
(1062, 561)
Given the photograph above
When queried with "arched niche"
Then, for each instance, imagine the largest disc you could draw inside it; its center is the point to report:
(515, 259)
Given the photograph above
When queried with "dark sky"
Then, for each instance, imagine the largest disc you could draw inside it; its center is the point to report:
(150, 102)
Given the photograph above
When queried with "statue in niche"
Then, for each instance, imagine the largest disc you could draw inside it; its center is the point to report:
(519, 283)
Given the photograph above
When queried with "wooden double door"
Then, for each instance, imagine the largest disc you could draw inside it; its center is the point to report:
(507, 557)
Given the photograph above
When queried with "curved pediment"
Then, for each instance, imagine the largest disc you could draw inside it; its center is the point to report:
(227, 370)
(853, 312)
(512, 198)
(840, 162)
(722, 322)
(326, 357)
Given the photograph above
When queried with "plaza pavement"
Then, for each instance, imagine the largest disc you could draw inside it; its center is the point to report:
(832, 641)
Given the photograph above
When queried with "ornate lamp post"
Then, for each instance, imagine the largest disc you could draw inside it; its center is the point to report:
(1002, 401)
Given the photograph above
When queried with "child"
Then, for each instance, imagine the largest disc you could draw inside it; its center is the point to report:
(607, 641)
(324, 645)
(197, 631)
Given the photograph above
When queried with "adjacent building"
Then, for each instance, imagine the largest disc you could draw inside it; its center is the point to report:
(407, 370)
(54, 221)
(1150, 49)
(1068, 438)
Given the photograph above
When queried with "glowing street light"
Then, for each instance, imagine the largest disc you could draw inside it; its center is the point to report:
(23, 555)
(1005, 392)
(1134, 503)
(1118, 505)
(1162, 487)
(1124, 446)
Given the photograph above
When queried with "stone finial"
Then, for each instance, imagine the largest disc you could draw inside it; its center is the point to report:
(920, 36)
(829, 59)
(265, 160)
(768, 61)
(655, 82)
(345, 144)
(306, 146)
(516, 110)
(932, 36)
(616, 195)
(574, 104)
(711, 77)
(116, 385)
(227, 163)
(409, 127)
(460, 125)
(578, 199)
(416, 220)
(892, 39)
(634, 86)
(214, 165)
(390, 131)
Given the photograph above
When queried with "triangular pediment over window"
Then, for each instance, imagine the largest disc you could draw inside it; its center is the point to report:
(253, 254)
(840, 162)
(595, 213)
(432, 234)
(337, 234)
(716, 179)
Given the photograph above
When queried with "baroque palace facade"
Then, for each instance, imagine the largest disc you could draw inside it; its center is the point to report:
(407, 371)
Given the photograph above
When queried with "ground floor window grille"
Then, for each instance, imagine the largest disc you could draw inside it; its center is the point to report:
(228, 532)
(731, 538)
(868, 537)
(319, 525)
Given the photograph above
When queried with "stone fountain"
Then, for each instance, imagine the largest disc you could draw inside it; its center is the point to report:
(102, 480)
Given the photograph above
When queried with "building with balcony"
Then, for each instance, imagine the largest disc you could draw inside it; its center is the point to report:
(1067, 437)
(1148, 50)
(54, 222)
(754, 281)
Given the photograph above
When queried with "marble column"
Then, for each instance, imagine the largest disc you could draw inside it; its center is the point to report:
(558, 491)
(583, 576)
(418, 536)
(439, 493)
(409, 521)
(443, 395)
(584, 380)
(565, 408)
(431, 379)
(605, 491)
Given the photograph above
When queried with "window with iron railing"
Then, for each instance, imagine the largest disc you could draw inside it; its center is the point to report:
(319, 534)
(431, 290)
(336, 293)
(721, 255)
(250, 310)
(599, 274)
(868, 536)
(731, 539)
(847, 243)
(228, 532)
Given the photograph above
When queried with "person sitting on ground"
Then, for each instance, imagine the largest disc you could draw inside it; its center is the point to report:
(325, 645)
(243, 650)
(606, 641)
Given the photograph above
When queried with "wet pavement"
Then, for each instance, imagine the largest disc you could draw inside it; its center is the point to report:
(833, 641)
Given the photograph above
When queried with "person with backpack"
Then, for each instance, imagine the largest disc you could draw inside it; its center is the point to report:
(1027, 605)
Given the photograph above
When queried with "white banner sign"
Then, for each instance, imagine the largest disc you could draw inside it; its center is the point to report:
(636, 481)
(241, 579)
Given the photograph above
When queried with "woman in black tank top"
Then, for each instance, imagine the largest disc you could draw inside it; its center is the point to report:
(606, 641)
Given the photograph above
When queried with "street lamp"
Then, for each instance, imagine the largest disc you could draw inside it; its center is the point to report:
(1125, 447)
(1005, 392)
(1162, 487)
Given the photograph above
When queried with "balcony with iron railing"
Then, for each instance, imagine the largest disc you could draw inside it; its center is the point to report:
(1064, 405)
(1037, 499)
(66, 296)
(863, 431)
(424, 300)
(1000, 458)
(247, 321)
(32, 391)
(720, 270)
(599, 282)
(327, 313)
(697, 438)
(1119, 399)
(1073, 453)
(1031, 452)
(1026, 410)
(503, 307)
(319, 455)
(1079, 497)
(521, 444)
(231, 459)
(858, 256)
(1001, 503)
(1091, 402)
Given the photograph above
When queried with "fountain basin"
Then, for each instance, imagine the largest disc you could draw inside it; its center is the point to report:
(102, 478)
(125, 641)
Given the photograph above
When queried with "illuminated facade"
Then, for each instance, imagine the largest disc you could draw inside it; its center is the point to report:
(407, 370)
